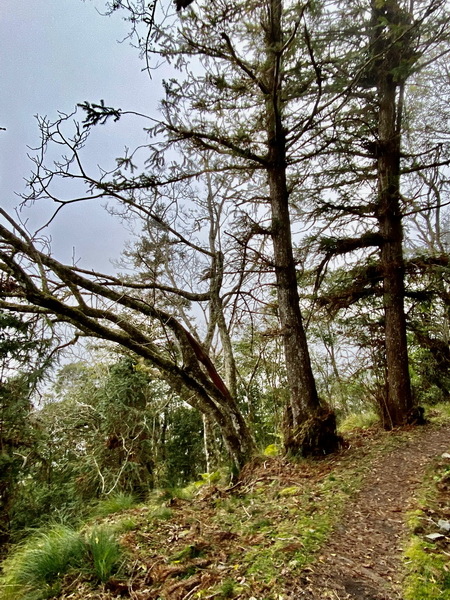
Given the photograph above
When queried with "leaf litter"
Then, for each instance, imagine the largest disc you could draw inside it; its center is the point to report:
(312, 530)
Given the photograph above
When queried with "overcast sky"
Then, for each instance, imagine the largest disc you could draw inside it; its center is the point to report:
(54, 54)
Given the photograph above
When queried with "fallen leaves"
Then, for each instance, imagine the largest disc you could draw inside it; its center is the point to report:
(254, 536)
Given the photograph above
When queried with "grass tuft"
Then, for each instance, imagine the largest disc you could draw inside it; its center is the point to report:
(161, 514)
(32, 572)
(124, 525)
(227, 589)
(114, 504)
(167, 494)
(104, 552)
(35, 571)
(362, 420)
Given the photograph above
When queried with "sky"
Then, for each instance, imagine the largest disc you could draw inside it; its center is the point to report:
(53, 55)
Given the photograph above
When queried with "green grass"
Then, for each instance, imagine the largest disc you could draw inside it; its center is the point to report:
(104, 552)
(438, 413)
(114, 504)
(291, 525)
(427, 575)
(362, 420)
(187, 553)
(123, 525)
(262, 536)
(161, 513)
(228, 589)
(167, 494)
(35, 570)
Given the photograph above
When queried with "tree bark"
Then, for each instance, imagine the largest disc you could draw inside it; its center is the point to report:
(399, 407)
(310, 426)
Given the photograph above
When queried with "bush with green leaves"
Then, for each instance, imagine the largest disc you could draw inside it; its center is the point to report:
(25, 359)
(109, 433)
(182, 454)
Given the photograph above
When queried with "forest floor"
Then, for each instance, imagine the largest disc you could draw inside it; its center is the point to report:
(363, 558)
(335, 529)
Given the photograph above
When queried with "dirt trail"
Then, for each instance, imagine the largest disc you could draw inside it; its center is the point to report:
(363, 559)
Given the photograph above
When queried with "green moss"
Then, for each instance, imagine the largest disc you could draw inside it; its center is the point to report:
(427, 578)
(187, 553)
(290, 491)
(272, 450)
(414, 520)
(228, 588)
(427, 575)
(298, 529)
(261, 524)
(263, 563)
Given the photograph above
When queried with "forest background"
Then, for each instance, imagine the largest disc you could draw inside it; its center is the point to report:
(289, 266)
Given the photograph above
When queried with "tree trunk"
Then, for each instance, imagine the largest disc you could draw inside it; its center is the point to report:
(310, 427)
(218, 406)
(399, 407)
(209, 445)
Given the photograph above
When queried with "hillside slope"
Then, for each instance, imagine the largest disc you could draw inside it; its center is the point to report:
(333, 528)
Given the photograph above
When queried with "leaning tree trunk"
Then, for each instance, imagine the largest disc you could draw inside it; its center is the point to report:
(399, 407)
(213, 399)
(310, 426)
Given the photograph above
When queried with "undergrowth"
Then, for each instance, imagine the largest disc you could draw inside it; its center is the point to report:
(438, 413)
(36, 568)
(427, 574)
(361, 420)
(113, 504)
(253, 539)
(104, 552)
